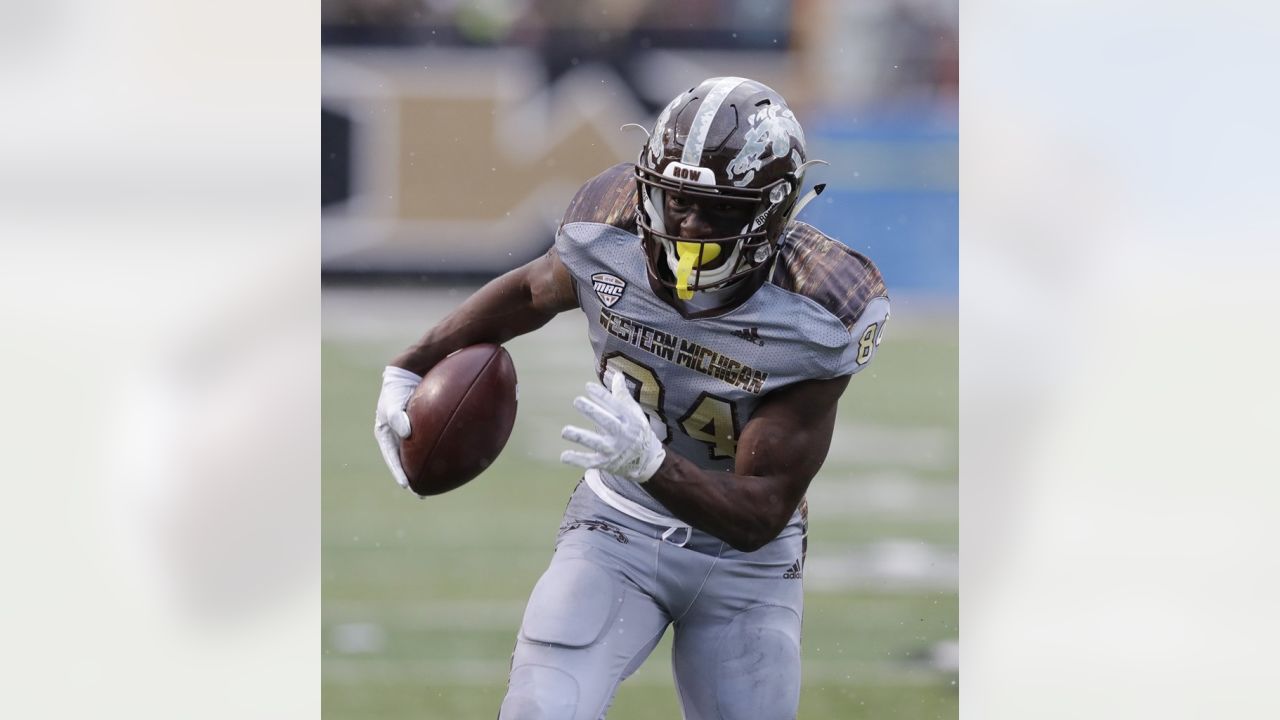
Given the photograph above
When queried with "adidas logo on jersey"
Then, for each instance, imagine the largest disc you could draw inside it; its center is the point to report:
(749, 334)
(608, 288)
(795, 572)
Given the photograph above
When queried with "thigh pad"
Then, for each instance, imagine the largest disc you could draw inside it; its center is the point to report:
(758, 674)
(572, 604)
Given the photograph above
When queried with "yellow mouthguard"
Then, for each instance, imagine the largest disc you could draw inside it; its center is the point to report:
(689, 258)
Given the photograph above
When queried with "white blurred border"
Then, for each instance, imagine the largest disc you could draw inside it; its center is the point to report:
(158, 292)
(159, 299)
(1118, 463)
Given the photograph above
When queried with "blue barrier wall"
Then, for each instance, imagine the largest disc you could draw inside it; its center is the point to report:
(892, 192)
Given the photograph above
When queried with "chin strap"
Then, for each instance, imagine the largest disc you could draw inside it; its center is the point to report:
(808, 198)
(638, 126)
(804, 166)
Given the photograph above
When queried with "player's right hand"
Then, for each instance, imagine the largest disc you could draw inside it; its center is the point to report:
(391, 422)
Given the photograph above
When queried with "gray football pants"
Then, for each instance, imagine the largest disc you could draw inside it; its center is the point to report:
(613, 587)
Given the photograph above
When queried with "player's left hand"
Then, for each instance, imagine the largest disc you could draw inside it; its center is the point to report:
(625, 444)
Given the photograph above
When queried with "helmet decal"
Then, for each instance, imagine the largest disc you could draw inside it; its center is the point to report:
(656, 137)
(702, 121)
(772, 128)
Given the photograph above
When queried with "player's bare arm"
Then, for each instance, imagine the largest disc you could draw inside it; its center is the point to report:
(781, 449)
(516, 303)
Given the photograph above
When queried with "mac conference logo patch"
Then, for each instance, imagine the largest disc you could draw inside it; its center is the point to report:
(608, 288)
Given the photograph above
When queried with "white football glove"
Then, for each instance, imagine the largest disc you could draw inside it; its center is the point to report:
(625, 444)
(391, 422)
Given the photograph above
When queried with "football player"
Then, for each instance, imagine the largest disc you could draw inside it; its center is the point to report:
(725, 332)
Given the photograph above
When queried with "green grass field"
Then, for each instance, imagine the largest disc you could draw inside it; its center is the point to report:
(422, 598)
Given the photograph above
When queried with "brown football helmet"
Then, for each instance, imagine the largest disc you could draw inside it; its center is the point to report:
(729, 141)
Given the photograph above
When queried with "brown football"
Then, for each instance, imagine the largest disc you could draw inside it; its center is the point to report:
(460, 417)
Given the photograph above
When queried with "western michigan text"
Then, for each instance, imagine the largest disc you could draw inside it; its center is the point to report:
(684, 353)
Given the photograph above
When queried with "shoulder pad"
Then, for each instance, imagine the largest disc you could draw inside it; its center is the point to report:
(828, 272)
(608, 198)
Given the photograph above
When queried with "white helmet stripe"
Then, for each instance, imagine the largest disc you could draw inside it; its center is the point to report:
(702, 121)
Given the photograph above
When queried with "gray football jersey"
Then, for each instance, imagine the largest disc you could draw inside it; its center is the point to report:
(820, 316)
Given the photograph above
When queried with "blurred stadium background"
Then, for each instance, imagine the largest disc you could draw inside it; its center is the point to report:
(454, 134)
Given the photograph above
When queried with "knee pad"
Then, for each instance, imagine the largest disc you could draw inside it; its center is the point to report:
(758, 674)
(538, 692)
(569, 611)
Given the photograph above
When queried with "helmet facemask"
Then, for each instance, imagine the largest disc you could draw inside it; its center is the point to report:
(712, 263)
